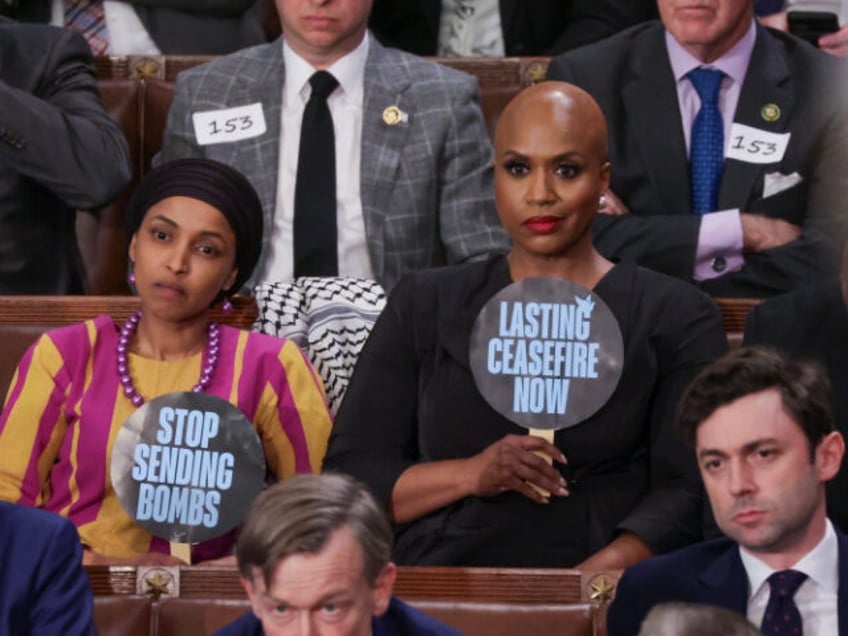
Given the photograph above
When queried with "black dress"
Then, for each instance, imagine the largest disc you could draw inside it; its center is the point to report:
(412, 399)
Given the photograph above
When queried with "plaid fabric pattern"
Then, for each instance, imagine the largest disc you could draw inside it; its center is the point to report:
(328, 318)
(87, 17)
(426, 182)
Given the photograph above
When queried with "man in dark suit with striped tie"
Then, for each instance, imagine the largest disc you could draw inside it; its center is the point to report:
(171, 27)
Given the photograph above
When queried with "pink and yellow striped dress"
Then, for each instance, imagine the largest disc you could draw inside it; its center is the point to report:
(65, 407)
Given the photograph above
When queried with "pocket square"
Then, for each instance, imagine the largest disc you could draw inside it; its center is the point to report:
(777, 182)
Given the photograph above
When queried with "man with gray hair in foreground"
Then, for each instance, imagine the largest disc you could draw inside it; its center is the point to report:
(695, 619)
(314, 554)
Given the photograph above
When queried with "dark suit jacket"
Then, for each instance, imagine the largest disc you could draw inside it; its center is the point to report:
(710, 572)
(59, 151)
(45, 589)
(210, 27)
(812, 323)
(540, 27)
(630, 76)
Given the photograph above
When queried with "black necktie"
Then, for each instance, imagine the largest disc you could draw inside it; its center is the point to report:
(782, 616)
(315, 243)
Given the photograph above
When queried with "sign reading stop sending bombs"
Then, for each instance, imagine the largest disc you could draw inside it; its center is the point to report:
(186, 466)
(546, 353)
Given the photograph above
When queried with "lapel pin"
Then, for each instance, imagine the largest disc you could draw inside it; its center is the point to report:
(394, 116)
(770, 112)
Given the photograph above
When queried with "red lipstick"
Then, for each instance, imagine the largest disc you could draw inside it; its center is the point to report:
(543, 224)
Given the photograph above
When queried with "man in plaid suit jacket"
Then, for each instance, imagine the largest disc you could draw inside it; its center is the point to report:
(425, 184)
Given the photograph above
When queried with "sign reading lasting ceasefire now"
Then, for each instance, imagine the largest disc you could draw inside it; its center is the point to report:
(186, 466)
(546, 353)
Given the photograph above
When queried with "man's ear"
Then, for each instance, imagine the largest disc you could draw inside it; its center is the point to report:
(252, 594)
(829, 454)
(383, 589)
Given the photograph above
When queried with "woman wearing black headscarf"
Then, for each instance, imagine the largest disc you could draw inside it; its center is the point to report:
(194, 229)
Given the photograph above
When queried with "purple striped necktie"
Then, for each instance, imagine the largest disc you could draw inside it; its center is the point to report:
(87, 17)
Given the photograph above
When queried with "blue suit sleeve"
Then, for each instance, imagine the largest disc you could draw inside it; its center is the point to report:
(63, 602)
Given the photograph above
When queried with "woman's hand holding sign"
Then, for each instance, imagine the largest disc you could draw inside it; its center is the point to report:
(511, 463)
(514, 463)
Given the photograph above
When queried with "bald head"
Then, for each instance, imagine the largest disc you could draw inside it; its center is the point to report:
(551, 107)
(551, 169)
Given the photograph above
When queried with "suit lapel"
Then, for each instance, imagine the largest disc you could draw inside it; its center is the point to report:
(725, 581)
(386, 83)
(767, 81)
(262, 82)
(650, 96)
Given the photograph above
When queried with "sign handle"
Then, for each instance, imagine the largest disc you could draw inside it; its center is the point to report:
(546, 434)
(182, 551)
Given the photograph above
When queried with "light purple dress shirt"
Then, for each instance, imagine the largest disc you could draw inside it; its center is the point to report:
(720, 235)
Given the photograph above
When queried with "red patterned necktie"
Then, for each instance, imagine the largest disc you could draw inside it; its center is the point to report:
(782, 617)
(86, 17)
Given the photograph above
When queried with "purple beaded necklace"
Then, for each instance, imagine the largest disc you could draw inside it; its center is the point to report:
(210, 358)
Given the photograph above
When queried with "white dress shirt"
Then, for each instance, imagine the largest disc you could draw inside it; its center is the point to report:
(127, 35)
(816, 598)
(345, 104)
(470, 28)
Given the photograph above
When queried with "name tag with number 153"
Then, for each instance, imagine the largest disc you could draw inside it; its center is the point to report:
(753, 145)
(229, 124)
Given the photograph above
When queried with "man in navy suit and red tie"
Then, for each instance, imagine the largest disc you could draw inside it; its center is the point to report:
(762, 429)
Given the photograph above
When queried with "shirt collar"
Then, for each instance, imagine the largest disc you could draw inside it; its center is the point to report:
(733, 63)
(349, 71)
(821, 564)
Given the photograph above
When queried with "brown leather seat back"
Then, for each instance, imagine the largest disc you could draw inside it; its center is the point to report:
(100, 234)
(200, 617)
(510, 619)
(187, 617)
(122, 615)
(158, 95)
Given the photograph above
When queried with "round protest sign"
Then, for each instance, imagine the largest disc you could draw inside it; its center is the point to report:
(546, 353)
(186, 466)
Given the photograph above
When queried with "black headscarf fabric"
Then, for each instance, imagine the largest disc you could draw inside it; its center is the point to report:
(217, 184)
